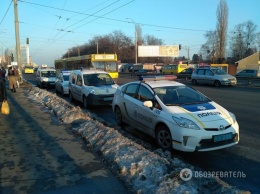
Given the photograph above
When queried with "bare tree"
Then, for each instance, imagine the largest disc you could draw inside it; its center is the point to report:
(222, 25)
(151, 40)
(208, 50)
(243, 40)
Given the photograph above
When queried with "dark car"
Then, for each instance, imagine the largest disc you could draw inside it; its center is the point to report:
(185, 73)
(141, 72)
(248, 73)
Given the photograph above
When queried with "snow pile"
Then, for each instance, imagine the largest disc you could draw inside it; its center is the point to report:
(142, 170)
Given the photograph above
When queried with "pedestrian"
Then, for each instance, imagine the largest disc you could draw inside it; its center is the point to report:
(155, 69)
(3, 95)
(3, 71)
(12, 73)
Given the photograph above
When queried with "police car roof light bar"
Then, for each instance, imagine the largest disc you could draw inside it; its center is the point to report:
(157, 78)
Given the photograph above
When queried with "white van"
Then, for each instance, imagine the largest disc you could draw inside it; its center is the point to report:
(46, 77)
(91, 87)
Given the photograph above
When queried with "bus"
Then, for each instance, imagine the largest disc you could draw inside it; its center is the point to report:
(173, 69)
(105, 62)
(28, 69)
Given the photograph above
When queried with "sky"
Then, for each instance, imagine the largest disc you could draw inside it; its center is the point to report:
(140, 169)
(55, 26)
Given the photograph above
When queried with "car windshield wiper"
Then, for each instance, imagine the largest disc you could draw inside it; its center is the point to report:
(188, 103)
(172, 104)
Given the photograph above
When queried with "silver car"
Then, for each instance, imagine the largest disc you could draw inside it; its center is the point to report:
(212, 76)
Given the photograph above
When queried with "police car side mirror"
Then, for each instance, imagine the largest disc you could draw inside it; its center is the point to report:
(148, 104)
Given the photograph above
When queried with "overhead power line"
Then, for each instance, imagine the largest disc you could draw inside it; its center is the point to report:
(6, 12)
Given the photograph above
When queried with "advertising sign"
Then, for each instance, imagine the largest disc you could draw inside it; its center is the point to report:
(158, 51)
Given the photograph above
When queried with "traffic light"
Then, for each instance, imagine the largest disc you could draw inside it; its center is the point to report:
(179, 46)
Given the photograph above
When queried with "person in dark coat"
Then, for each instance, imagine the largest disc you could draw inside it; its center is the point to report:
(3, 95)
(3, 71)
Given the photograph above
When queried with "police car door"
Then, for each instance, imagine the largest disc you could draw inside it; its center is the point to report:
(130, 101)
(59, 82)
(144, 116)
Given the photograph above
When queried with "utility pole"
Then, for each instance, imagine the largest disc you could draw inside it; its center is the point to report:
(17, 38)
(136, 37)
(188, 52)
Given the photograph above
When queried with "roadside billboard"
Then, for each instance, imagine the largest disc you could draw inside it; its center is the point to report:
(158, 51)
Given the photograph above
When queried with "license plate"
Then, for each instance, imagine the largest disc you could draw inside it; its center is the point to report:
(223, 137)
(108, 99)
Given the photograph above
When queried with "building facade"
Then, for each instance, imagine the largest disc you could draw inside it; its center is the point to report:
(24, 54)
(250, 62)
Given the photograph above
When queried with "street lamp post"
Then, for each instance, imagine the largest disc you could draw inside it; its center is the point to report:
(135, 39)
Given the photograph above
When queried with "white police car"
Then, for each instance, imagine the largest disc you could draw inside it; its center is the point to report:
(91, 87)
(176, 115)
(62, 83)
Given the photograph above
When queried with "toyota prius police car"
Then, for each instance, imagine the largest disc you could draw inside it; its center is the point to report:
(62, 83)
(176, 115)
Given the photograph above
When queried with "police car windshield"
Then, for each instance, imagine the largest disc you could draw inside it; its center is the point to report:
(98, 79)
(66, 77)
(179, 95)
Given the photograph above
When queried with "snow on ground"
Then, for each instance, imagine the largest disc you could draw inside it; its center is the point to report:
(142, 170)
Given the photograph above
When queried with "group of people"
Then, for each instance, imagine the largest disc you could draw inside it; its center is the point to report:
(12, 76)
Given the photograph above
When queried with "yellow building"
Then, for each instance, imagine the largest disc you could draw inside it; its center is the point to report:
(250, 62)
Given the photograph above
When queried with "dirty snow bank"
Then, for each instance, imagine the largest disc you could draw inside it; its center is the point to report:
(142, 170)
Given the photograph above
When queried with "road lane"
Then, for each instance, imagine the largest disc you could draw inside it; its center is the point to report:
(245, 157)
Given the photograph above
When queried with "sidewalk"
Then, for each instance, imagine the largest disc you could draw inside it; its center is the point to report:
(40, 155)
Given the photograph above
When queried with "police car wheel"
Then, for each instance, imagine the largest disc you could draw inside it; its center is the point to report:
(62, 92)
(118, 116)
(163, 137)
(85, 102)
(71, 97)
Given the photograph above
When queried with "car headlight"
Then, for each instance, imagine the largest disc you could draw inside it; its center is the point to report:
(45, 79)
(225, 79)
(233, 117)
(185, 123)
(93, 91)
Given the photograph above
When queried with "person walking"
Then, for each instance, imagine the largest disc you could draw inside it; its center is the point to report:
(12, 73)
(3, 71)
(3, 95)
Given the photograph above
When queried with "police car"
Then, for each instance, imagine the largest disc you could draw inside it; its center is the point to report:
(62, 83)
(91, 87)
(176, 115)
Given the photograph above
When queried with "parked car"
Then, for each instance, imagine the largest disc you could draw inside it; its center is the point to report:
(62, 83)
(248, 73)
(91, 87)
(185, 73)
(176, 115)
(46, 77)
(213, 76)
(141, 72)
